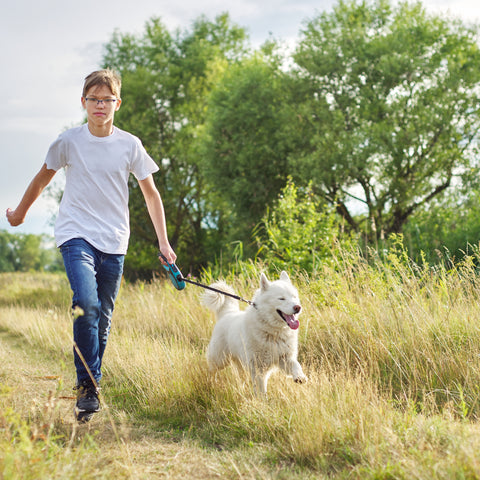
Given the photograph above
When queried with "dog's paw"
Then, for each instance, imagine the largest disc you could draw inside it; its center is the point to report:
(301, 379)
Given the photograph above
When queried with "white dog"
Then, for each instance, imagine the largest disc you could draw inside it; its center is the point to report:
(260, 338)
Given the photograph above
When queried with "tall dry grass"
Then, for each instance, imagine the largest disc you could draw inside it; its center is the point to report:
(391, 350)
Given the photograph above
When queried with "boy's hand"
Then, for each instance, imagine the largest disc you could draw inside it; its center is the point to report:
(13, 218)
(169, 254)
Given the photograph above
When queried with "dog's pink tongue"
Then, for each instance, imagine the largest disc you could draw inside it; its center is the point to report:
(292, 322)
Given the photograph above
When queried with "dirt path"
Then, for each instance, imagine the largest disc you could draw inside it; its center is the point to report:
(32, 379)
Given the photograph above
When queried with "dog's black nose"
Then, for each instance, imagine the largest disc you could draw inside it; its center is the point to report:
(297, 308)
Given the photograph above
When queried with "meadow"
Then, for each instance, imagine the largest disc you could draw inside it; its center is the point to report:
(391, 349)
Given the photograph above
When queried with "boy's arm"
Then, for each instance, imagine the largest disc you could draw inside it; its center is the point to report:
(157, 214)
(33, 191)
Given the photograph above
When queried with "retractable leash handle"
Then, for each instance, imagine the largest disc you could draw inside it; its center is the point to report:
(174, 274)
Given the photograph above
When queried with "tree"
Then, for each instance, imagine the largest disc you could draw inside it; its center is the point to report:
(448, 227)
(166, 79)
(247, 143)
(27, 252)
(388, 108)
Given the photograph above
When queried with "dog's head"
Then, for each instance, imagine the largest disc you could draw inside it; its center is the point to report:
(279, 300)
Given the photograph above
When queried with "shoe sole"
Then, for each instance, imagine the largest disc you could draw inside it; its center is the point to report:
(83, 417)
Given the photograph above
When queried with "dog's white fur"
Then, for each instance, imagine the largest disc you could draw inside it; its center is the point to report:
(258, 338)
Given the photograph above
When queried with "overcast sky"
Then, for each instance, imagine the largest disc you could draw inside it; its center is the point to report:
(48, 47)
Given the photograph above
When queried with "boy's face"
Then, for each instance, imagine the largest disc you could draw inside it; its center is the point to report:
(100, 113)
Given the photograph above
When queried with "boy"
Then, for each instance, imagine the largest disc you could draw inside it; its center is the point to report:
(92, 228)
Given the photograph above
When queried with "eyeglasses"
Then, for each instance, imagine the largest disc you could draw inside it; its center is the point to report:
(104, 101)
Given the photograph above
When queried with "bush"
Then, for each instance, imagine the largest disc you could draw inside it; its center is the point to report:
(301, 232)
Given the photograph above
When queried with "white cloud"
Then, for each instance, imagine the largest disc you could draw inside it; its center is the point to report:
(467, 10)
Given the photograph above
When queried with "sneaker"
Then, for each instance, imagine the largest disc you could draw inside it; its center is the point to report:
(83, 417)
(87, 401)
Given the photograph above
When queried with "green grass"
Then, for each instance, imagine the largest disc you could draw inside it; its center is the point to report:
(391, 350)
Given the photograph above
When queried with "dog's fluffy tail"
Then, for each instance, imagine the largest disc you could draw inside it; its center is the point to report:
(220, 303)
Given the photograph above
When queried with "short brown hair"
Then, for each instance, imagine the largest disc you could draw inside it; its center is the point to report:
(106, 77)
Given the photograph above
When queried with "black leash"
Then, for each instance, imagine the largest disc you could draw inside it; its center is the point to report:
(236, 297)
(179, 280)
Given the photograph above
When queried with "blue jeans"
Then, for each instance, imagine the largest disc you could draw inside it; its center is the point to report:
(95, 279)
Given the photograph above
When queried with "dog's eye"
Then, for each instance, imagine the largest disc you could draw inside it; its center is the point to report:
(282, 298)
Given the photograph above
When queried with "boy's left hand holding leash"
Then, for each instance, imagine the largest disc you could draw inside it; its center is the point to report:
(167, 256)
(173, 273)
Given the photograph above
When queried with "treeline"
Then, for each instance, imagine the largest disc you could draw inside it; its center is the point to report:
(27, 252)
(373, 117)
(366, 128)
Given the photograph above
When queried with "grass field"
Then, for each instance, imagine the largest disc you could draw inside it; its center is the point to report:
(391, 350)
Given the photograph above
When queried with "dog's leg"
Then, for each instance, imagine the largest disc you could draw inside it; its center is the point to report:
(293, 368)
(217, 359)
(259, 381)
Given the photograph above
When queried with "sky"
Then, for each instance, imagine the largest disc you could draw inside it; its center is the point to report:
(48, 47)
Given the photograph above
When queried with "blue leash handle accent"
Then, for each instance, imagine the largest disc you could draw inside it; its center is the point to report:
(174, 274)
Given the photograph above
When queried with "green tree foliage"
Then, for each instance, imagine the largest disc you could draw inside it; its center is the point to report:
(448, 228)
(390, 109)
(247, 145)
(26, 253)
(301, 232)
(166, 80)
(376, 111)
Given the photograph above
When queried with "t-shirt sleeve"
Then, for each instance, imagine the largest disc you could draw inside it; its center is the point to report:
(56, 156)
(142, 164)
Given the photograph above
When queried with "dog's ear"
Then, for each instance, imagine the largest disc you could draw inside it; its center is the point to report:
(264, 283)
(284, 276)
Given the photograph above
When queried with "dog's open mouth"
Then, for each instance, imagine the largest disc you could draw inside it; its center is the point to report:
(290, 320)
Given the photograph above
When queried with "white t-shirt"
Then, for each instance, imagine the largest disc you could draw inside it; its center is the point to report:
(94, 205)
